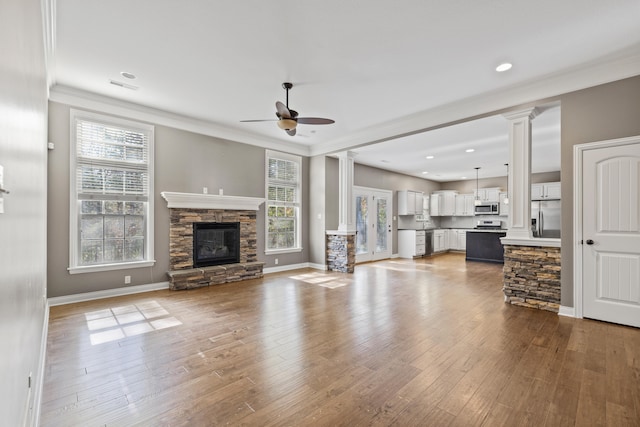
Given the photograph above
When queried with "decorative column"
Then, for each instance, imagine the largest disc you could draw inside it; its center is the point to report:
(520, 173)
(347, 214)
(341, 243)
(531, 273)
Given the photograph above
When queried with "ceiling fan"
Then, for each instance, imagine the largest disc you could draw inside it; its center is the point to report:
(288, 119)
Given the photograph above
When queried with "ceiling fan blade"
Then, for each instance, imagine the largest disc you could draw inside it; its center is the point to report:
(283, 111)
(291, 132)
(314, 121)
(265, 120)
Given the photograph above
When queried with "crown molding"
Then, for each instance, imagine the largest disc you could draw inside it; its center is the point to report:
(48, 8)
(91, 101)
(614, 68)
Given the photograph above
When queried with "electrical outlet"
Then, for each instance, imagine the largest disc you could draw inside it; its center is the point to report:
(276, 261)
(127, 280)
(205, 190)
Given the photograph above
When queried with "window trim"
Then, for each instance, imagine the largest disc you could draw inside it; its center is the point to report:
(293, 158)
(74, 217)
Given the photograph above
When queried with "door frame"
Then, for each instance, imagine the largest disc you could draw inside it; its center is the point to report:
(388, 193)
(578, 153)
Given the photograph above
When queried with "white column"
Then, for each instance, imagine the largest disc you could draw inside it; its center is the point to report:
(520, 173)
(346, 208)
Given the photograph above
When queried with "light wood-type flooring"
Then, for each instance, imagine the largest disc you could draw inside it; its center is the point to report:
(399, 342)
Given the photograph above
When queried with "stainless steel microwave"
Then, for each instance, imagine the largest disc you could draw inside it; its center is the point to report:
(487, 208)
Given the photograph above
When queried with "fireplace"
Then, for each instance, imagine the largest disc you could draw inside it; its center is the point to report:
(216, 243)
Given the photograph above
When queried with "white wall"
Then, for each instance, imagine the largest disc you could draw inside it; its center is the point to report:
(23, 153)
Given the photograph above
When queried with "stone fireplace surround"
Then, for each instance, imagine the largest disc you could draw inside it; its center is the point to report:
(187, 208)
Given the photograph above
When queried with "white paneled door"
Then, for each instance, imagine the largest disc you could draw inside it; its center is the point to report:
(611, 233)
(373, 223)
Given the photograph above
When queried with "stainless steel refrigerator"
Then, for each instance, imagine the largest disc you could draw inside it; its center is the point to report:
(545, 218)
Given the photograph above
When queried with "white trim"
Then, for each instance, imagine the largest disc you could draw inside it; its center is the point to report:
(269, 154)
(74, 217)
(211, 201)
(534, 241)
(81, 99)
(567, 311)
(110, 267)
(580, 77)
(577, 78)
(578, 153)
(282, 251)
(107, 293)
(37, 397)
(281, 268)
(317, 266)
(340, 233)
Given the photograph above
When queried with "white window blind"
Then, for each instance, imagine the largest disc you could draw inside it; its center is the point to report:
(112, 159)
(283, 201)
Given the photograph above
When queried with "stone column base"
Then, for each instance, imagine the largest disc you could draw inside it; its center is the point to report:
(341, 252)
(532, 276)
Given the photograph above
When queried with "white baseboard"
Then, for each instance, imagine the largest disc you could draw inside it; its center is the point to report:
(280, 268)
(37, 397)
(107, 293)
(567, 311)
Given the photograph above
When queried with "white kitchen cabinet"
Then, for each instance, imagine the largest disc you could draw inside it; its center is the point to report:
(435, 201)
(461, 240)
(409, 202)
(411, 243)
(439, 241)
(488, 194)
(464, 205)
(456, 239)
(504, 207)
(445, 203)
(545, 191)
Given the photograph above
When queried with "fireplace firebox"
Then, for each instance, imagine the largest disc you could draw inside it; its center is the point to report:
(216, 243)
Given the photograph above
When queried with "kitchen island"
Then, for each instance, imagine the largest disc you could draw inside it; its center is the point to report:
(485, 245)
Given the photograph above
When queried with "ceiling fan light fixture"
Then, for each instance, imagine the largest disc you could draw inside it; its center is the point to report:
(287, 124)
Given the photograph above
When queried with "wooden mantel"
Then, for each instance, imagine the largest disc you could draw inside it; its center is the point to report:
(211, 201)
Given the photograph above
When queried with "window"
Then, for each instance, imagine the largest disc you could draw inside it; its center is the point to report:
(283, 178)
(111, 224)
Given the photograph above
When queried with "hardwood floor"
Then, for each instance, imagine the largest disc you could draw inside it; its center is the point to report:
(399, 342)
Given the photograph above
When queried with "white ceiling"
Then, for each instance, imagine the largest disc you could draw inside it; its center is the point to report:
(380, 69)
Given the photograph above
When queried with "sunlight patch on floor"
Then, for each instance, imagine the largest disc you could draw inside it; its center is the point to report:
(404, 265)
(116, 323)
(322, 279)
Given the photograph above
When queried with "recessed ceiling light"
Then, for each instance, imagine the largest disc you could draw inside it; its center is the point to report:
(429, 157)
(504, 67)
(128, 75)
(425, 172)
(469, 150)
(463, 177)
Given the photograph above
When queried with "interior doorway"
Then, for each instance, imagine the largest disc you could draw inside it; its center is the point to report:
(373, 223)
(607, 252)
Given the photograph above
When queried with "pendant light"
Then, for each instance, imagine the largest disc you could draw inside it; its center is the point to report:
(477, 199)
(506, 197)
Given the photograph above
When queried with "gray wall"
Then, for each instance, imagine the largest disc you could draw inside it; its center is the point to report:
(23, 153)
(600, 113)
(184, 162)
